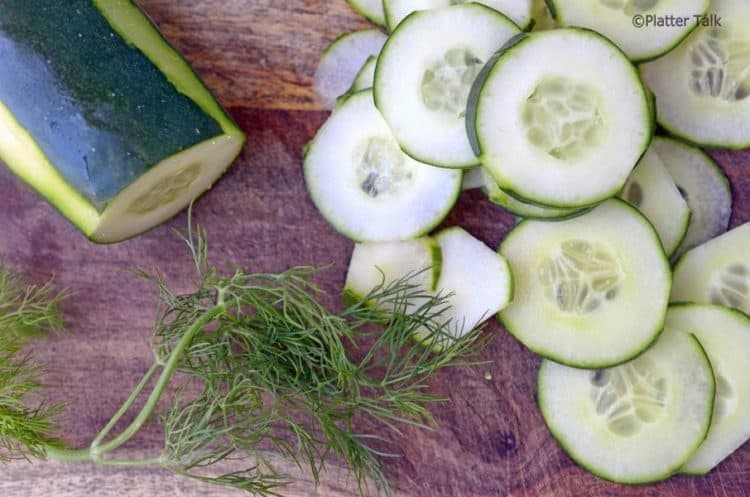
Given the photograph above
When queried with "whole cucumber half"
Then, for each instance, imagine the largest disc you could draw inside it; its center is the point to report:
(104, 118)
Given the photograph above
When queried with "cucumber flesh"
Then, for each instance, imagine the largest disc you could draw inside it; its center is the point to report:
(541, 16)
(372, 10)
(590, 291)
(725, 336)
(717, 272)
(518, 11)
(379, 265)
(519, 208)
(704, 186)
(365, 186)
(652, 191)
(473, 178)
(476, 280)
(702, 87)
(424, 75)
(366, 76)
(560, 116)
(614, 19)
(341, 62)
(638, 422)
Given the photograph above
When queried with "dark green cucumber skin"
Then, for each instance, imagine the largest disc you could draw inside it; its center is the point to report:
(101, 112)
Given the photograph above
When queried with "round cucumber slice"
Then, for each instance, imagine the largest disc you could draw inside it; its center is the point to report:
(519, 208)
(518, 11)
(725, 336)
(341, 62)
(542, 124)
(365, 186)
(652, 191)
(717, 272)
(703, 86)
(424, 75)
(616, 20)
(372, 10)
(476, 281)
(634, 423)
(590, 291)
(704, 186)
(366, 76)
(374, 265)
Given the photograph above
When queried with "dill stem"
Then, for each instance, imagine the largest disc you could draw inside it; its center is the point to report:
(97, 450)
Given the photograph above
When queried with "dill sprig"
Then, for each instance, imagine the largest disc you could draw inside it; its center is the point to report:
(26, 420)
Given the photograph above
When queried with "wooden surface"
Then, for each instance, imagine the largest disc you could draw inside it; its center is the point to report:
(259, 57)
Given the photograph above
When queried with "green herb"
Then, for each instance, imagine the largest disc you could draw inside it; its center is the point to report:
(262, 368)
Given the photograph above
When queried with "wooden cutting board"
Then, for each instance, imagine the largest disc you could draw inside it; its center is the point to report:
(259, 57)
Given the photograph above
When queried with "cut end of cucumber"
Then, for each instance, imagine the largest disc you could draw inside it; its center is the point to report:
(166, 189)
(720, 65)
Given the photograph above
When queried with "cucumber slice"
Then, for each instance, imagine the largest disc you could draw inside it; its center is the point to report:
(560, 115)
(704, 186)
(424, 75)
(717, 272)
(341, 62)
(519, 208)
(615, 20)
(725, 336)
(363, 184)
(634, 423)
(652, 191)
(365, 78)
(476, 280)
(518, 11)
(372, 10)
(591, 291)
(542, 18)
(381, 264)
(102, 117)
(703, 86)
(473, 178)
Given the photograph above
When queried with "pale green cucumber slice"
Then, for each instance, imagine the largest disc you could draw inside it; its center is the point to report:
(541, 16)
(365, 186)
(652, 191)
(518, 11)
(725, 336)
(702, 87)
(474, 178)
(519, 208)
(704, 186)
(590, 291)
(717, 272)
(341, 62)
(634, 423)
(616, 19)
(372, 10)
(560, 116)
(424, 75)
(476, 281)
(366, 76)
(379, 265)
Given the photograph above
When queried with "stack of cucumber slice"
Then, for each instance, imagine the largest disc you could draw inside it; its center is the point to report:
(639, 379)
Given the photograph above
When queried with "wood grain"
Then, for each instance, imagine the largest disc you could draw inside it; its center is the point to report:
(259, 57)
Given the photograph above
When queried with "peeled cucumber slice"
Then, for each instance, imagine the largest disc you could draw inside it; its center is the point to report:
(635, 423)
(518, 11)
(717, 272)
(652, 191)
(590, 291)
(375, 265)
(366, 76)
(702, 87)
(372, 10)
(476, 280)
(615, 20)
(424, 75)
(725, 336)
(541, 124)
(704, 186)
(365, 186)
(341, 62)
(519, 208)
